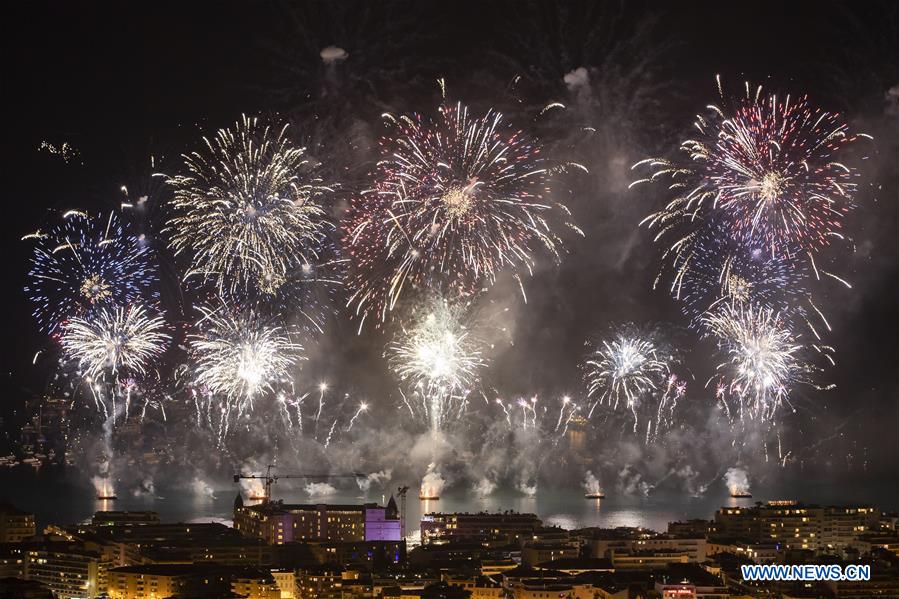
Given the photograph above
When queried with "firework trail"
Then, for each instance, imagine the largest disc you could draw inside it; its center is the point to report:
(317, 416)
(438, 360)
(519, 438)
(86, 264)
(456, 200)
(237, 358)
(763, 360)
(249, 210)
(112, 350)
(767, 173)
(362, 408)
(664, 417)
(629, 366)
(531, 414)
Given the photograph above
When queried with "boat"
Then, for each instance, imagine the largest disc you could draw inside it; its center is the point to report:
(596, 495)
(105, 497)
(427, 497)
(741, 495)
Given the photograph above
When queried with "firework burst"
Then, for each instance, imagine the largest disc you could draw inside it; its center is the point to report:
(763, 360)
(715, 271)
(248, 211)
(630, 367)
(237, 358)
(768, 173)
(456, 200)
(87, 264)
(112, 351)
(438, 359)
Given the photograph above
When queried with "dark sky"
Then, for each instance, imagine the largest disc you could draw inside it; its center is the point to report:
(122, 80)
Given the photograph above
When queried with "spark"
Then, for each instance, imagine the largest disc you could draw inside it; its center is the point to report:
(239, 357)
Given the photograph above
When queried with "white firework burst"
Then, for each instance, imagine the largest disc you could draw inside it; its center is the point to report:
(249, 209)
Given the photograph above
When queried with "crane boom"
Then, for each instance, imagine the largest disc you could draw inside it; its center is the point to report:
(271, 479)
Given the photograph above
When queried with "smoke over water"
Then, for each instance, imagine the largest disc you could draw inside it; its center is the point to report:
(314, 490)
(433, 482)
(591, 484)
(737, 481)
(380, 479)
(484, 487)
(202, 489)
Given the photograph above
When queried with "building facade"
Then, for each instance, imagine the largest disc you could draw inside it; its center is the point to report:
(484, 526)
(277, 523)
(796, 526)
(15, 525)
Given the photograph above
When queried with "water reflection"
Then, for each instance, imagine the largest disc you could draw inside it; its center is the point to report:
(67, 497)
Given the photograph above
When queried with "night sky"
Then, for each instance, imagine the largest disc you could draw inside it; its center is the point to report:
(123, 81)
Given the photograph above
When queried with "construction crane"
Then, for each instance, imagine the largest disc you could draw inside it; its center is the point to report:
(271, 479)
(401, 491)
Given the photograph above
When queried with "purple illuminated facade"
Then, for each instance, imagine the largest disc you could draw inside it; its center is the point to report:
(278, 523)
(382, 523)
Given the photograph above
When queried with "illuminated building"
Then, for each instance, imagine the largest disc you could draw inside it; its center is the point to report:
(15, 525)
(207, 542)
(539, 552)
(682, 590)
(286, 579)
(321, 583)
(277, 523)
(484, 526)
(630, 541)
(255, 584)
(12, 561)
(888, 540)
(760, 553)
(69, 570)
(364, 555)
(646, 560)
(480, 587)
(155, 581)
(690, 528)
(551, 588)
(794, 525)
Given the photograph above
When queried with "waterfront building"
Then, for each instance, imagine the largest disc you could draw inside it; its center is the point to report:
(277, 523)
(623, 541)
(795, 525)
(503, 527)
